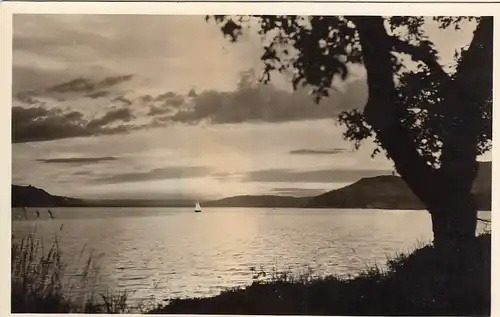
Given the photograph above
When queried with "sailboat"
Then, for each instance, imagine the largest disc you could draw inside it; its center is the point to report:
(197, 207)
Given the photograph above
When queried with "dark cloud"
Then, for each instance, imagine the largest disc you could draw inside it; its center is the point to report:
(172, 172)
(75, 85)
(297, 192)
(317, 152)
(175, 101)
(78, 160)
(92, 88)
(315, 176)
(165, 96)
(83, 173)
(166, 103)
(249, 103)
(88, 85)
(145, 98)
(40, 124)
(154, 110)
(254, 104)
(115, 80)
(98, 94)
(121, 114)
(123, 99)
(261, 103)
(73, 116)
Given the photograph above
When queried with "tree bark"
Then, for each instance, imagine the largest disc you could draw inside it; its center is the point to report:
(470, 89)
(446, 191)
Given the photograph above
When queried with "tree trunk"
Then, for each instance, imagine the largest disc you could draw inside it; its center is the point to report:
(447, 191)
(455, 219)
(454, 226)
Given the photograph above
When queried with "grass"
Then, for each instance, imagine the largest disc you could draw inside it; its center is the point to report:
(39, 284)
(419, 283)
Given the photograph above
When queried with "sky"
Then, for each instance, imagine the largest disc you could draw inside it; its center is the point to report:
(158, 107)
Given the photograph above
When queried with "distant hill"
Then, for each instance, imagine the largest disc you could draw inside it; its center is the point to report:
(391, 192)
(140, 203)
(259, 201)
(380, 192)
(29, 196)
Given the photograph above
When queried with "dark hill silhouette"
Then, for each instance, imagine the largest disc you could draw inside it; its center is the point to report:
(391, 192)
(380, 192)
(259, 201)
(30, 196)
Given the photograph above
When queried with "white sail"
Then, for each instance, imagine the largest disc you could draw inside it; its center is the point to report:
(197, 206)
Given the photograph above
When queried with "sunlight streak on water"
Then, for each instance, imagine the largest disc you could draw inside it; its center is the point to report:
(173, 252)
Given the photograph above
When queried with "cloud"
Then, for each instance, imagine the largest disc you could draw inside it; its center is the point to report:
(317, 152)
(154, 110)
(254, 102)
(122, 114)
(260, 103)
(251, 102)
(90, 88)
(98, 94)
(65, 46)
(75, 85)
(83, 173)
(40, 124)
(314, 176)
(88, 85)
(78, 160)
(123, 100)
(165, 96)
(172, 172)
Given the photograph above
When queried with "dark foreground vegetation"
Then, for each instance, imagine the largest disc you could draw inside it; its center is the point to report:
(420, 283)
(39, 284)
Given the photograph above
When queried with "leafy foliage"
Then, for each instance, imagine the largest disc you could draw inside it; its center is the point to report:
(318, 49)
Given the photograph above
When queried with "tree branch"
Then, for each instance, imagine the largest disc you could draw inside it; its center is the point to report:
(423, 53)
(382, 113)
(472, 87)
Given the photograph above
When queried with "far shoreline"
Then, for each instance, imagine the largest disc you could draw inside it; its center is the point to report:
(249, 207)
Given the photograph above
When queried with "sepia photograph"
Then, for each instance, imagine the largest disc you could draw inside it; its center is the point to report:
(251, 164)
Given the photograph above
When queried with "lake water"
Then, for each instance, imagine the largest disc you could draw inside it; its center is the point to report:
(174, 252)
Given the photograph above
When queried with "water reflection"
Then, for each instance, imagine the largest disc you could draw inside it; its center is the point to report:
(172, 252)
